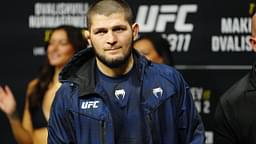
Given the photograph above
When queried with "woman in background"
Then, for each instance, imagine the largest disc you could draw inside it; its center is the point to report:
(63, 43)
(155, 48)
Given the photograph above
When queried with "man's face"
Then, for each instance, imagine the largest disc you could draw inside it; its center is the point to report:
(253, 37)
(112, 37)
(253, 43)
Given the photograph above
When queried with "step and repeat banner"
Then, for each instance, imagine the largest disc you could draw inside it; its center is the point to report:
(209, 41)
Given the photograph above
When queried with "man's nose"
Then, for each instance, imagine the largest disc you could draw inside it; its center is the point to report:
(112, 38)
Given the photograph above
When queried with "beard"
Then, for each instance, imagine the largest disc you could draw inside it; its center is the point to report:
(114, 63)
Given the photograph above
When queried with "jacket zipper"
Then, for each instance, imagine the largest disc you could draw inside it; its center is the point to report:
(102, 131)
(152, 129)
(69, 119)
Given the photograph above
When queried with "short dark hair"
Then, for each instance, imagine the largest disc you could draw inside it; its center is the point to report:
(108, 7)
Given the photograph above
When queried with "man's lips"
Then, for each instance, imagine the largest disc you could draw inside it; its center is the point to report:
(112, 49)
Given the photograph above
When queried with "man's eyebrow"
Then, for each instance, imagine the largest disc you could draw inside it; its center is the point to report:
(119, 26)
(99, 29)
(113, 27)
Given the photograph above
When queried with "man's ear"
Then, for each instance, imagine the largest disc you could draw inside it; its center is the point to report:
(87, 36)
(135, 30)
(253, 43)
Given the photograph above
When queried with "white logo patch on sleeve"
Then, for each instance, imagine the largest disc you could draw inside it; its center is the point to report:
(158, 92)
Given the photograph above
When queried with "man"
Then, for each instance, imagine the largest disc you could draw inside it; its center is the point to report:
(235, 114)
(111, 95)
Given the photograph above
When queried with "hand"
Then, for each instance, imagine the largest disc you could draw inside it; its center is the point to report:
(7, 101)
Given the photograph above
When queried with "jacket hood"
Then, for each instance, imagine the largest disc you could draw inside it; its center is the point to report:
(76, 64)
(78, 71)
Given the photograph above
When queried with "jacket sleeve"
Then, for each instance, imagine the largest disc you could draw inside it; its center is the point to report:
(59, 128)
(224, 125)
(190, 125)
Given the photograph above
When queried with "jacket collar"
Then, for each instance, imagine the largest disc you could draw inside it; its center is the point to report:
(81, 70)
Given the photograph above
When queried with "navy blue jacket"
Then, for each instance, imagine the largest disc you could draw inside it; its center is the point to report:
(167, 112)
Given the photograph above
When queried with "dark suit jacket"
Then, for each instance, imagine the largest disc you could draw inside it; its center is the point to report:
(235, 115)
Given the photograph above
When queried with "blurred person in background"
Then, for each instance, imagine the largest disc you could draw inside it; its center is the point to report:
(235, 115)
(64, 42)
(155, 48)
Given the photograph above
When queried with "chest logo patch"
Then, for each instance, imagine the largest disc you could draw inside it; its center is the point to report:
(89, 104)
(120, 94)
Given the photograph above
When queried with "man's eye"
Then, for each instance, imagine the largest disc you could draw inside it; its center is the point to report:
(100, 32)
(119, 29)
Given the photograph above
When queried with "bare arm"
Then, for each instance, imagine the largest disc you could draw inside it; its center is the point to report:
(22, 130)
